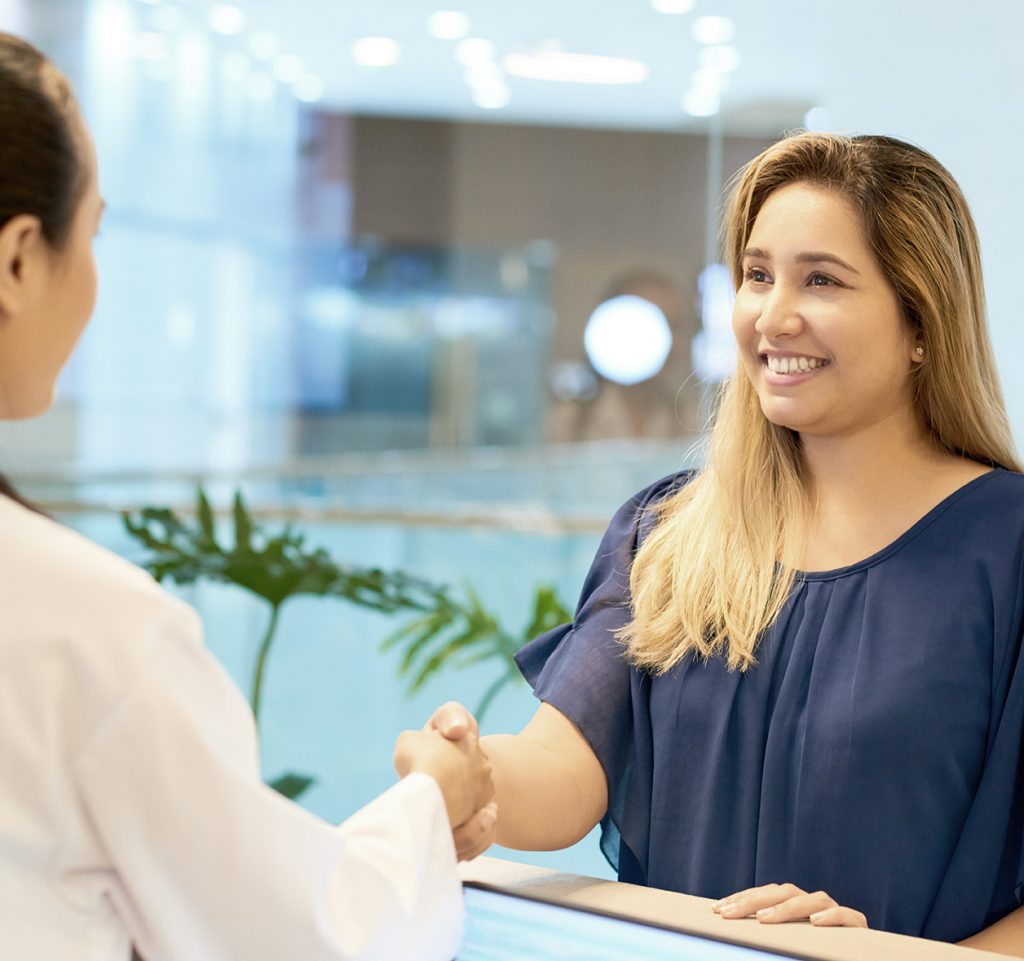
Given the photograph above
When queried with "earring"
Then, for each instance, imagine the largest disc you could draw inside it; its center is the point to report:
(919, 350)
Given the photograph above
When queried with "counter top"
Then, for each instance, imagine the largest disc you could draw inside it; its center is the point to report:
(694, 915)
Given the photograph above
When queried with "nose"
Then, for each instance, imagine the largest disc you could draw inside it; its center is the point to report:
(780, 314)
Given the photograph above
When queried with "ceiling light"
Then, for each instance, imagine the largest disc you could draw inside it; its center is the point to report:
(226, 19)
(709, 30)
(719, 57)
(627, 339)
(673, 6)
(264, 45)
(288, 68)
(701, 103)
(376, 52)
(474, 50)
(310, 88)
(492, 98)
(707, 80)
(448, 25)
(818, 118)
(487, 74)
(575, 68)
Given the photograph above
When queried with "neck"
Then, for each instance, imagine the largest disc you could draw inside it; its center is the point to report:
(871, 464)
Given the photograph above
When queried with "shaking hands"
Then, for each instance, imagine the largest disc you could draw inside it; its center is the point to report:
(448, 749)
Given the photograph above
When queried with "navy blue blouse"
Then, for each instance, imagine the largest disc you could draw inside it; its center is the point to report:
(874, 751)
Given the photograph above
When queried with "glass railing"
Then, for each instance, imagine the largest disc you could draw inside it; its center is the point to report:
(501, 521)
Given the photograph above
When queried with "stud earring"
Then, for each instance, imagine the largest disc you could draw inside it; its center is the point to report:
(919, 350)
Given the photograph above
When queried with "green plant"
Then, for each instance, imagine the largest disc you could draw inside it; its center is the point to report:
(444, 630)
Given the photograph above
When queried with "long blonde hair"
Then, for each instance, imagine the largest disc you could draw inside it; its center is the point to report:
(708, 580)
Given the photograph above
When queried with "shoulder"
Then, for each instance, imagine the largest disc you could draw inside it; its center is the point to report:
(993, 502)
(653, 495)
(65, 591)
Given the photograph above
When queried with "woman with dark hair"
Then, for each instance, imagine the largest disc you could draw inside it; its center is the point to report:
(795, 679)
(131, 808)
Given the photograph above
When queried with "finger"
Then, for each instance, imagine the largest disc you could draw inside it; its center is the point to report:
(477, 834)
(453, 721)
(839, 917)
(743, 904)
(798, 908)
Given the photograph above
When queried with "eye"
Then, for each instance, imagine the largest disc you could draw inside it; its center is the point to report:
(756, 275)
(823, 280)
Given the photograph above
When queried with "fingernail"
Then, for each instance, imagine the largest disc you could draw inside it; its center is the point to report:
(715, 906)
(817, 916)
(765, 913)
(488, 816)
(728, 909)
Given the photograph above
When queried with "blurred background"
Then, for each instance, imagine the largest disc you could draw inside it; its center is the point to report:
(439, 283)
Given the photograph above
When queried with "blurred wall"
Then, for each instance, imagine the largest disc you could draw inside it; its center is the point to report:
(608, 204)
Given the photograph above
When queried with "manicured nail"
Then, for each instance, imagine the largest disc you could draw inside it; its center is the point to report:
(817, 916)
(728, 909)
(765, 913)
(488, 816)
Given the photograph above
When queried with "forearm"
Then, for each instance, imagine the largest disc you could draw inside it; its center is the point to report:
(1006, 936)
(542, 804)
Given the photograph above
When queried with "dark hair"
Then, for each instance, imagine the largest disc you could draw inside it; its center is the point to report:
(41, 169)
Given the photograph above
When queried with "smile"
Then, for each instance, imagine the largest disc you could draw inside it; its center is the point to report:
(793, 364)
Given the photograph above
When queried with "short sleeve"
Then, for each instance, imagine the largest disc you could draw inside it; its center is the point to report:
(580, 668)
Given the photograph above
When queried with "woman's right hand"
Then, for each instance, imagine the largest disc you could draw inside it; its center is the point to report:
(460, 767)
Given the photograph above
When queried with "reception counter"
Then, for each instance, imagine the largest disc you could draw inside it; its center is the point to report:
(695, 916)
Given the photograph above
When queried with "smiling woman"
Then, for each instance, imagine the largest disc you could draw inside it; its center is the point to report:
(800, 668)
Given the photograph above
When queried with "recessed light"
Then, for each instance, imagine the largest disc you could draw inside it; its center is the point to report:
(719, 57)
(376, 52)
(673, 6)
(560, 67)
(492, 98)
(700, 103)
(474, 50)
(818, 118)
(264, 45)
(226, 19)
(487, 74)
(627, 339)
(709, 30)
(310, 88)
(708, 80)
(448, 25)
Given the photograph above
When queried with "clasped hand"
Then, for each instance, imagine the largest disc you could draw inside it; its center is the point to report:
(448, 749)
(777, 903)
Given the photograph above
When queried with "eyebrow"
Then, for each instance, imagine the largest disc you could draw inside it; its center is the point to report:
(807, 257)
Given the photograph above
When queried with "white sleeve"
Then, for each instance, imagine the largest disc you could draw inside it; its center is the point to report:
(209, 863)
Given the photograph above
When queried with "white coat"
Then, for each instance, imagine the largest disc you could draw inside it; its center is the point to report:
(131, 806)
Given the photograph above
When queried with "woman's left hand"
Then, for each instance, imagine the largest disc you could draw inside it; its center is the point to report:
(778, 903)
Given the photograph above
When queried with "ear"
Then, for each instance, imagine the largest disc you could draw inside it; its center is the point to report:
(21, 245)
(917, 354)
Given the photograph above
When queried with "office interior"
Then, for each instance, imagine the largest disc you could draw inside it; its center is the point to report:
(355, 264)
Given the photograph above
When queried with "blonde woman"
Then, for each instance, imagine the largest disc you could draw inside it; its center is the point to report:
(799, 669)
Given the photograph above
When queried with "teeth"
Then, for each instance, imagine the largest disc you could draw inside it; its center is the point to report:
(793, 365)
